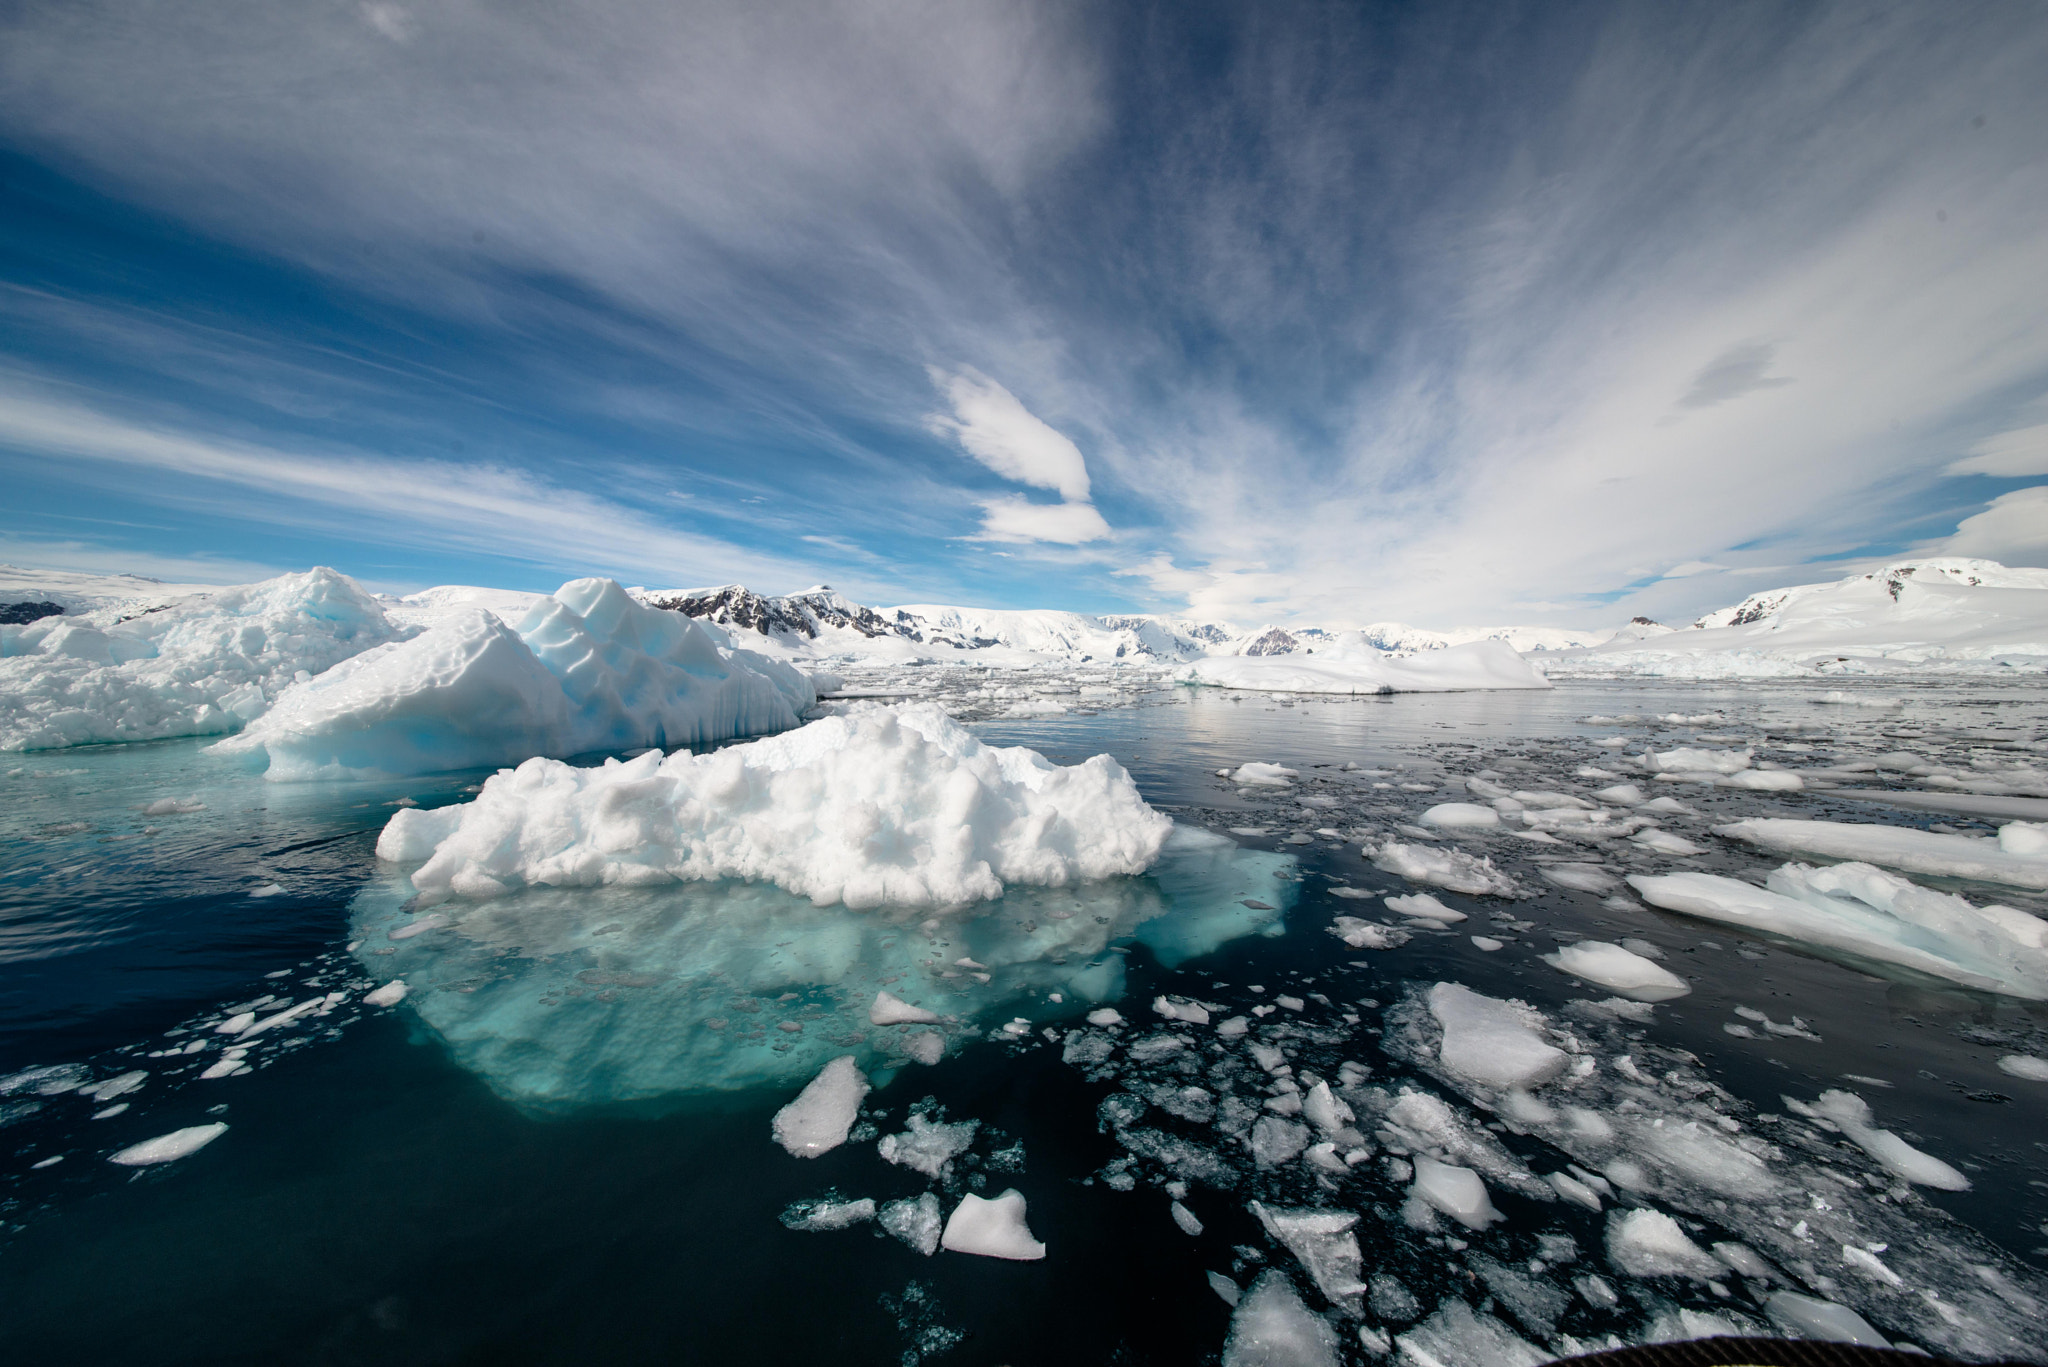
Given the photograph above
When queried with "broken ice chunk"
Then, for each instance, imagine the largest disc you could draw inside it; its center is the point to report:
(1422, 906)
(1852, 1114)
(928, 1146)
(1457, 1192)
(914, 1220)
(1326, 1245)
(1649, 1243)
(822, 1114)
(1811, 1318)
(167, 1148)
(2028, 1066)
(1185, 1218)
(1272, 1328)
(1616, 968)
(992, 1228)
(816, 1217)
(1491, 1042)
(390, 994)
(890, 1009)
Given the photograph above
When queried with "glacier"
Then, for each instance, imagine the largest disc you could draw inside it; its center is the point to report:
(200, 665)
(586, 669)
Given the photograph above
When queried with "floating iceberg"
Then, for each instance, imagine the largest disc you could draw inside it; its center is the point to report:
(1475, 665)
(562, 997)
(206, 666)
(588, 669)
(903, 807)
(1873, 915)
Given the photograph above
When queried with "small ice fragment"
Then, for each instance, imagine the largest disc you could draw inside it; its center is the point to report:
(1260, 775)
(822, 1114)
(890, 1009)
(928, 1146)
(1458, 1192)
(1290, 1003)
(1326, 1243)
(1486, 943)
(1181, 1011)
(1423, 906)
(390, 994)
(1104, 1016)
(110, 1112)
(433, 921)
(268, 890)
(167, 1148)
(1491, 1042)
(992, 1228)
(2028, 1066)
(926, 1047)
(1185, 1218)
(1225, 1288)
(818, 1217)
(1232, 1027)
(1618, 969)
(115, 1086)
(235, 1025)
(1852, 1114)
(1272, 1328)
(1818, 1319)
(1649, 1243)
(226, 1067)
(914, 1220)
(1459, 814)
(1573, 1190)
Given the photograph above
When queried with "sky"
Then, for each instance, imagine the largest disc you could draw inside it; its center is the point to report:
(1451, 313)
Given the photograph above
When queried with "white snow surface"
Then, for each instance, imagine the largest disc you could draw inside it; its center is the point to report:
(588, 669)
(992, 1228)
(205, 665)
(1941, 616)
(877, 806)
(1875, 915)
(1476, 665)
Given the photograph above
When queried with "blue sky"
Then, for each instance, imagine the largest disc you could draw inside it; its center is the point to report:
(1447, 313)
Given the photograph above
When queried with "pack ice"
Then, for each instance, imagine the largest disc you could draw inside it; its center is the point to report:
(205, 666)
(878, 806)
(586, 670)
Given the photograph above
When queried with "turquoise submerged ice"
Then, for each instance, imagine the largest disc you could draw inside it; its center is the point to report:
(578, 996)
(699, 922)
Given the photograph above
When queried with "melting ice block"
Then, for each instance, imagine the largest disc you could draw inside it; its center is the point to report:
(878, 806)
(203, 667)
(823, 1112)
(992, 1228)
(588, 669)
(1616, 968)
(1873, 915)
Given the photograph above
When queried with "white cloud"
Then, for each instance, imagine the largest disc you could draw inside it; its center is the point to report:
(2009, 455)
(94, 557)
(992, 426)
(1016, 518)
(2012, 529)
(1691, 568)
(491, 510)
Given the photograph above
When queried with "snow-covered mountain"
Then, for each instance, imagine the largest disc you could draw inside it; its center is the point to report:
(1941, 615)
(1401, 636)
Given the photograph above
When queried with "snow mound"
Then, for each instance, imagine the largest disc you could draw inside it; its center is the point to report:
(1476, 665)
(1874, 915)
(205, 666)
(586, 670)
(878, 806)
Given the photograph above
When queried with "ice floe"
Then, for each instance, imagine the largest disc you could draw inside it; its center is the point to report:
(1619, 970)
(991, 1227)
(588, 669)
(820, 1118)
(1873, 915)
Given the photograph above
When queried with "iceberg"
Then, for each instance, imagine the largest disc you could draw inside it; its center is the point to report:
(879, 806)
(563, 997)
(204, 666)
(586, 670)
(1876, 916)
(1476, 665)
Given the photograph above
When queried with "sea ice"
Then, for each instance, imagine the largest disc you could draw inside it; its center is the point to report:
(915, 1220)
(1455, 1336)
(1459, 814)
(1812, 1318)
(1851, 1114)
(992, 1228)
(928, 1146)
(390, 994)
(1616, 968)
(166, 1148)
(1272, 1328)
(1458, 1192)
(1259, 774)
(876, 806)
(588, 669)
(2010, 861)
(1491, 1042)
(1687, 761)
(202, 667)
(822, 1114)
(1473, 665)
(818, 1217)
(1875, 915)
(1451, 869)
(1325, 1244)
(890, 1009)
(1649, 1243)
(2028, 1066)
(1361, 934)
(1421, 906)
